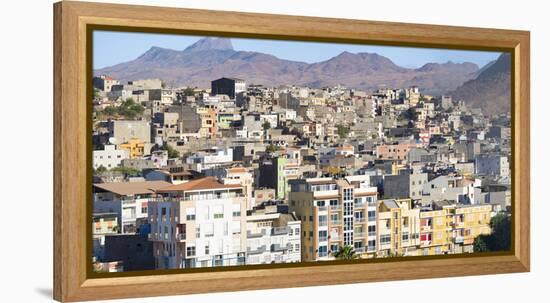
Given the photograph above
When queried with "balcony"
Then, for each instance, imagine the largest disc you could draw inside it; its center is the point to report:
(458, 239)
(336, 222)
(251, 235)
(278, 248)
(276, 231)
(257, 250)
(372, 234)
(372, 219)
(425, 228)
(360, 250)
(359, 220)
(359, 234)
(336, 207)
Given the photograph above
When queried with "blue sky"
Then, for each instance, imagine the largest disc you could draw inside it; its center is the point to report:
(111, 48)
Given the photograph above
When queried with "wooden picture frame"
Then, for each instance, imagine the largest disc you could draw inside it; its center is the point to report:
(72, 21)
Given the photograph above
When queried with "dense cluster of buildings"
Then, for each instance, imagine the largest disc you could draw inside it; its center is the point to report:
(240, 174)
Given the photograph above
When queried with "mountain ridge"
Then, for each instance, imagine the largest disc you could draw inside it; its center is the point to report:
(211, 58)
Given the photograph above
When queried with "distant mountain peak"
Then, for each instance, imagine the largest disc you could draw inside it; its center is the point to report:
(210, 44)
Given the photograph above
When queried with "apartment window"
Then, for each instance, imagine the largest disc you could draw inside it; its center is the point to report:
(334, 203)
(296, 247)
(297, 232)
(144, 210)
(190, 214)
(405, 236)
(321, 203)
(323, 220)
(385, 239)
(218, 216)
(359, 216)
(323, 235)
(198, 232)
(323, 251)
(371, 244)
(310, 234)
(163, 211)
(371, 215)
(310, 218)
(372, 230)
(191, 251)
(207, 249)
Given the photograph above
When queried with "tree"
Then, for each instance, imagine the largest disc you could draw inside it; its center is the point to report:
(266, 125)
(172, 152)
(101, 169)
(500, 237)
(343, 131)
(127, 171)
(346, 253)
(189, 91)
(480, 245)
(271, 148)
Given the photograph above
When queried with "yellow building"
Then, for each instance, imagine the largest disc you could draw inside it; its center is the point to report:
(451, 228)
(334, 213)
(468, 223)
(135, 148)
(398, 228)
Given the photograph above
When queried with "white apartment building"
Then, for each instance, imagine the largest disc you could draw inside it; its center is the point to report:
(272, 237)
(129, 200)
(201, 223)
(109, 157)
(210, 159)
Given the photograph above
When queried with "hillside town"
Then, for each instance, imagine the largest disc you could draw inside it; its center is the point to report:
(244, 174)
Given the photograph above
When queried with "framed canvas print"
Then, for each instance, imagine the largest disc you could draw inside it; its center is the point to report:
(205, 151)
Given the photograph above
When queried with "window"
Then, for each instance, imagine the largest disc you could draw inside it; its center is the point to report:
(323, 220)
(144, 210)
(323, 251)
(372, 230)
(372, 215)
(191, 251)
(405, 236)
(371, 244)
(323, 235)
(385, 239)
(207, 249)
(190, 214)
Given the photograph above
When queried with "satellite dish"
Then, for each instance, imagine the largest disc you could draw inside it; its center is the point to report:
(112, 140)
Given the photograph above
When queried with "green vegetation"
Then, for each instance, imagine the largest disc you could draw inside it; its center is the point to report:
(266, 125)
(271, 148)
(129, 109)
(189, 91)
(101, 169)
(127, 171)
(499, 239)
(346, 253)
(172, 152)
(343, 131)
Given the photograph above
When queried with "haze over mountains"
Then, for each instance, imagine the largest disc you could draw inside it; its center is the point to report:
(491, 89)
(212, 58)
